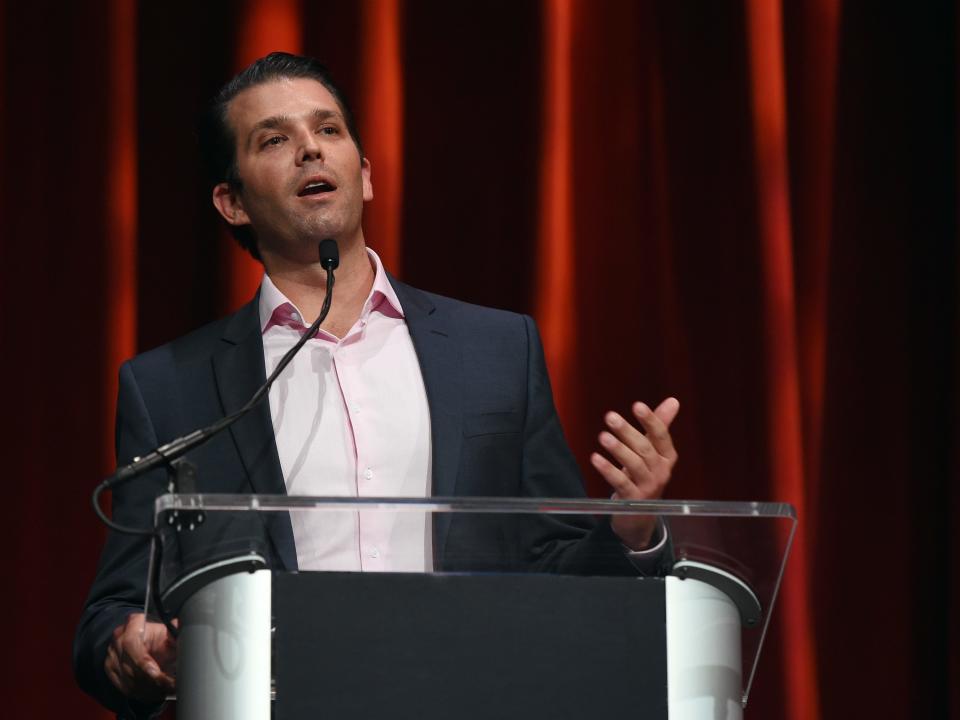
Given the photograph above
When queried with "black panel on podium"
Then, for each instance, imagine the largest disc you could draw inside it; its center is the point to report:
(356, 645)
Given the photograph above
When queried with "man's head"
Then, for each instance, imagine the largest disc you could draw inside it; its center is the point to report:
(277, 124)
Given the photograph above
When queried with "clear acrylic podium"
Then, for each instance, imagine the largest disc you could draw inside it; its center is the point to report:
(466, 607)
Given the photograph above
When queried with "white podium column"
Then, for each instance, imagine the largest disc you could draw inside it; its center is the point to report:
(223, 663)
(704, 671)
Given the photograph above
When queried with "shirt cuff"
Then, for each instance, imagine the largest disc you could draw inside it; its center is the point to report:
(657, 543)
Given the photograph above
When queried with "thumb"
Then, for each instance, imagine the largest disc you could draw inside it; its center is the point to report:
(667, 410)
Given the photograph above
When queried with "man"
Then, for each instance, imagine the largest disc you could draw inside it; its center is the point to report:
(402, 393)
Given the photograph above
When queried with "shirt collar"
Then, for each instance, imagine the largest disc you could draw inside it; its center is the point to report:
(276, 309)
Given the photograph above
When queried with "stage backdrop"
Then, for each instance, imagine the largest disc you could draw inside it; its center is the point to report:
(749, 205)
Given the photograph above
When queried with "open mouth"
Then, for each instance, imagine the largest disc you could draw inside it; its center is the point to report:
(316, 188)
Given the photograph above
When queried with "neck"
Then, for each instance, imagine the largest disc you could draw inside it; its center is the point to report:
(306, 286)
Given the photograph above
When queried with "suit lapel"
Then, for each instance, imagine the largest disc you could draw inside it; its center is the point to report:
(239, 370)
(441, 364)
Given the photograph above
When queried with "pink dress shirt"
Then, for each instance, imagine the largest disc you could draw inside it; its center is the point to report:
(350, 417)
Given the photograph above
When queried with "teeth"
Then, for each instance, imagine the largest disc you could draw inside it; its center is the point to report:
(316, 186)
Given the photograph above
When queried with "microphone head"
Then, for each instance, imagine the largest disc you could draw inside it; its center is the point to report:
(329, 254)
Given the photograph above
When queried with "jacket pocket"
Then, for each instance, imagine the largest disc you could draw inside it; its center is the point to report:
(492, 423)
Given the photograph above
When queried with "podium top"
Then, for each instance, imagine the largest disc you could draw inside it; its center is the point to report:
(738, 547)
(545, 506)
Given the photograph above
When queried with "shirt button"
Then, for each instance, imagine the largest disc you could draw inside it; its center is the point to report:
(368, 474)
(374, 553)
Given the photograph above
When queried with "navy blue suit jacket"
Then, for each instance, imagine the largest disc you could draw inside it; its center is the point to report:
(495, 432)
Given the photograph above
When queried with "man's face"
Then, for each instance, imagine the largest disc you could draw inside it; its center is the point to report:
(303, 179)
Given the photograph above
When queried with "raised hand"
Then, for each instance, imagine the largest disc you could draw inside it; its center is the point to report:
(643, 463)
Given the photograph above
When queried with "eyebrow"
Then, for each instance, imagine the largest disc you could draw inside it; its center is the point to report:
(276, 121)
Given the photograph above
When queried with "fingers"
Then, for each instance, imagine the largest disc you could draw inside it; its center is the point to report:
(631, 437)
(623, 486)
(112, 667)
(656, 423)
(634, 453)
(646, 458)
(130, 663)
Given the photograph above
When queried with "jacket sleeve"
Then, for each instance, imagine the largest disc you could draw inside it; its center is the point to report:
(119, 588)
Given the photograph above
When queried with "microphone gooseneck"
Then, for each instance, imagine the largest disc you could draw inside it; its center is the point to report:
(166, 454)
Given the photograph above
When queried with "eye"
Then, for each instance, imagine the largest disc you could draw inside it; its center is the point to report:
(272, 140)
(330, 130)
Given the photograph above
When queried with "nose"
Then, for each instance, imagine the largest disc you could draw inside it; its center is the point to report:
(311, 148)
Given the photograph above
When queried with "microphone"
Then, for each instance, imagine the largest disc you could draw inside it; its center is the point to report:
(329, 254)
(166, 454)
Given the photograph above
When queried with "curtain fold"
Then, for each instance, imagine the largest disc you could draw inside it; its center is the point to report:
(382, 122)
(785, 435)
(120, 317)
(555, 308)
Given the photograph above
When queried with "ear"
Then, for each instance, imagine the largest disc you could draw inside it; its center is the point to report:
(229, 205)
(365, 177)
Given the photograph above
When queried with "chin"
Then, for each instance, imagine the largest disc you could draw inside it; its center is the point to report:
(322, 228)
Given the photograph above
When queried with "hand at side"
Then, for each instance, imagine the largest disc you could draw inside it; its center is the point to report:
(141, 659)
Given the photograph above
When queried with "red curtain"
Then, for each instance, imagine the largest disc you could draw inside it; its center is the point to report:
(749, 205)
